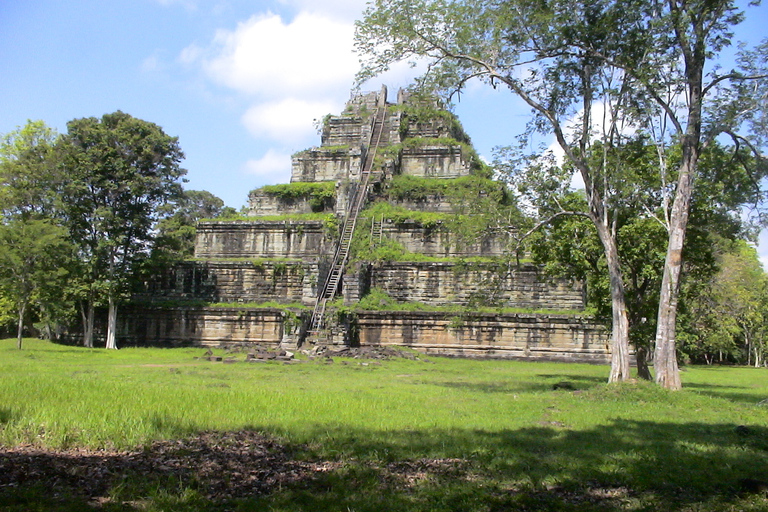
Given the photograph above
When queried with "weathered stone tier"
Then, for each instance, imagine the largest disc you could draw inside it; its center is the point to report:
(239, 281)
(434, 161)
(443, 283)
(326, 164)
(197, 326)
(430, 203)
(264, 205)
(532, 337)
(262, 239)
(440, 242)
(542, 337)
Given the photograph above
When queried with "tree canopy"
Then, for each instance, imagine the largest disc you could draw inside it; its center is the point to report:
(120, 170)
(595, 74)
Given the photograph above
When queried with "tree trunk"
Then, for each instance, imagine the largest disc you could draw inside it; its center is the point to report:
(20, 331)
(665, 356)
(620, 330)
(111, 323)
(641, 357)
(88, 320)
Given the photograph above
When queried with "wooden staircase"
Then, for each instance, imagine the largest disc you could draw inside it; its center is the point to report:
(377, 230)
(341, 255)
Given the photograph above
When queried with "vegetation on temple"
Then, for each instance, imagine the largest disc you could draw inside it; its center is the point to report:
(319, 195)
(653, 69)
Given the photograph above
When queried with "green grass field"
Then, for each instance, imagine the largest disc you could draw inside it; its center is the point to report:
(403, 435)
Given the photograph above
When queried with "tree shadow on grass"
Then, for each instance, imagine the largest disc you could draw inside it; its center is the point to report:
(496, 387)
(624, 465)
(727, 393)
(542, 382)
(587, 380)
(6, 415)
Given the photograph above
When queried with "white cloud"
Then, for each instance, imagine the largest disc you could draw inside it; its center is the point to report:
(762, 248)
(288, 72)
(152, 64)
(273, 167)
(191, 54)
(264, 56)
(287, 120)
(187, 4)
(343, 9)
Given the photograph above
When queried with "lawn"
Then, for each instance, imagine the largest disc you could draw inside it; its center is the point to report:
(164, 429)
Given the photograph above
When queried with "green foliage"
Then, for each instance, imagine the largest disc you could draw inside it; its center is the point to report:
(30, 179)
(121, 171)
(7, 311)
(458, 190)
(36, 258)
(320, 195)
(725, 319)
(400, 215)
(379, 300)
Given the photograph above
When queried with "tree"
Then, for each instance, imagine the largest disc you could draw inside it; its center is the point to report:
(33, 261)
(685, 41)
(29, 175)
(30, 190)
(728, 321)
(543, 54)
(640, 63)
(120, 170)
(176, 228)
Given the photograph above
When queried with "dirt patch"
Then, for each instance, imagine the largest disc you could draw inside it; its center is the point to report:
(221, 465)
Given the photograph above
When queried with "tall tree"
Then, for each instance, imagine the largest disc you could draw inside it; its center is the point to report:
(640, 63)
(33, 260)
(544, 54)
(120, 170)
(29, 175)
(687, 37)
(728, 322)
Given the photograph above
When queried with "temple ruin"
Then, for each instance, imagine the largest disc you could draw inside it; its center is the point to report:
(365, 247)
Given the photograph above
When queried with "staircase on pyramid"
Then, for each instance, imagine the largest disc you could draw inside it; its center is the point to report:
(369, 245)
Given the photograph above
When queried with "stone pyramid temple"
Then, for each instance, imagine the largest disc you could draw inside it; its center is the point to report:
(372, 243)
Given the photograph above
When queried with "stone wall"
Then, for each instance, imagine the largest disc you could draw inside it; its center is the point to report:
(263, 239)
(261, 204)
(531, 337)
(326, 164)
(434, 161)
(346, 130)
(430, 203)
(238, 281)
(442, 283)
(438, 242)
(200, 326)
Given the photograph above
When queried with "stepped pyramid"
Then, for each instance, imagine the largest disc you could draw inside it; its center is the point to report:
(362, 248)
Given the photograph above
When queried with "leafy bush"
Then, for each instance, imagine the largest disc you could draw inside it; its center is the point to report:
(319, 194)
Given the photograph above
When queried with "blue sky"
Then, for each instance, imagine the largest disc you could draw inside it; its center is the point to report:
(239, 82)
